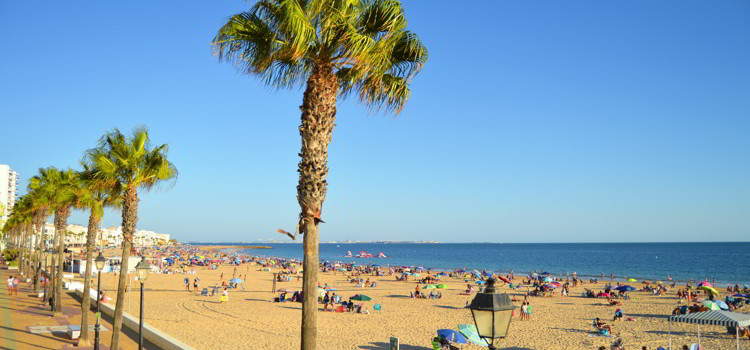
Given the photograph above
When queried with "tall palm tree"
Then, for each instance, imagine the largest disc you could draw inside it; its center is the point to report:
(333, 47)
(61, 187)
(21, 220)
(96, 200)
(120, 166)
(41, 207)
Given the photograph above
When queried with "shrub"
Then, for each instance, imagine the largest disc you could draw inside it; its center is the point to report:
(11, 254)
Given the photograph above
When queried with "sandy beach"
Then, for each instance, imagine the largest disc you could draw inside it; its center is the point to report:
(250, 319)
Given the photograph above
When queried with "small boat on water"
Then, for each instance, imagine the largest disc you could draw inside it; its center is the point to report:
(348, 254)
(364, 254)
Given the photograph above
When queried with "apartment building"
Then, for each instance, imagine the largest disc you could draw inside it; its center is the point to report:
(9, 182)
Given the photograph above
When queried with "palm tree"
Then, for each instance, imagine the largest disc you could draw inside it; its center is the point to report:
(41, 201)
(61, 188)
(333, 47)
(96, 200)
(120, 166)
(20, 222)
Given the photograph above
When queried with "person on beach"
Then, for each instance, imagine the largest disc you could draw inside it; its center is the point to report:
(10, 285)
(600, 325)
(196, 284)
(187, 283)
(326, 300)
(16, 282)
(523, 311)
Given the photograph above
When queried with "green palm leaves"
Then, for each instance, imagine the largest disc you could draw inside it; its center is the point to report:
(120, 163)
(364, 42)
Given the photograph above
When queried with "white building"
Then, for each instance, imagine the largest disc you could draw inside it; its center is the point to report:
(110, 236)
(9, 181)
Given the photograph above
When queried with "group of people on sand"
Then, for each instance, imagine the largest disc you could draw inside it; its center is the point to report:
(13, 282)
(418, 294)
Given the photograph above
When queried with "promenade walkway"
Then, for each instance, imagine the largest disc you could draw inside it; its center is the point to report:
(28, 324)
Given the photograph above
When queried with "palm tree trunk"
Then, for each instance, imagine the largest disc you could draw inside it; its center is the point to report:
(86, 303)
(38, 267)
(129, 219)
(316, 129)
(22, 247)
(30, 250)
(61, 220)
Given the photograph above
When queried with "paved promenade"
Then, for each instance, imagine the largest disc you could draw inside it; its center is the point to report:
(28, 324)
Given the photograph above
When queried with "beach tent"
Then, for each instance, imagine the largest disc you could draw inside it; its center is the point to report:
(714, 318)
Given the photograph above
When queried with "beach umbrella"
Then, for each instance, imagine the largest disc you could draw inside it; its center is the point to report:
(236, 280)
(546, 273)
(740, 296)
(441, 286)
(722, 305)
(416, 274)
(452, 336)
(710, 289)
(632, 280)
(429, 286)
(556, 284)
(548, 279)
(480, 282)
(625, 288)
(504, 279)
(705, 284)
(361, 297)
(470, 332)
(285, 290)
(534, 274)
(329, 289)
(710, 305)
(551, 286)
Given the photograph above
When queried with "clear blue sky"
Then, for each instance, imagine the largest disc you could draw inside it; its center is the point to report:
(534, 121)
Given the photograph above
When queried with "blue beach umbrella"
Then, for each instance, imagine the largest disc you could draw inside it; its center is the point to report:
(236, 280)
(740, 296)
(548, 279)
(625, 288)
(452, 336)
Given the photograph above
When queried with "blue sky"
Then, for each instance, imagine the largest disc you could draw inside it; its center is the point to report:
(541, 121)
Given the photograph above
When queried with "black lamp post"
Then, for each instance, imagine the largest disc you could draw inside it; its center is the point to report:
(142, 268)
(492, 312)
(99, 261)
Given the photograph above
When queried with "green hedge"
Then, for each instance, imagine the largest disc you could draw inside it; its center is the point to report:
(13, 263)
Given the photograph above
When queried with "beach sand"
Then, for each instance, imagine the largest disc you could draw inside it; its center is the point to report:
(251, 320)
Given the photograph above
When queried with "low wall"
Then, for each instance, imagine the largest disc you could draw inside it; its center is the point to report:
(153, 335)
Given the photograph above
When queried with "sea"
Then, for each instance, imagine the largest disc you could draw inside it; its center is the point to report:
(724, 262)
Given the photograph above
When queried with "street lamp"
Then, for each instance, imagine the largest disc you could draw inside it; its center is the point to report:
(142, 268)
(492, 313)
(99, 261)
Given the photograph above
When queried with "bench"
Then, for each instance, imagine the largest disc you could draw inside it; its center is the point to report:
(74, 332)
